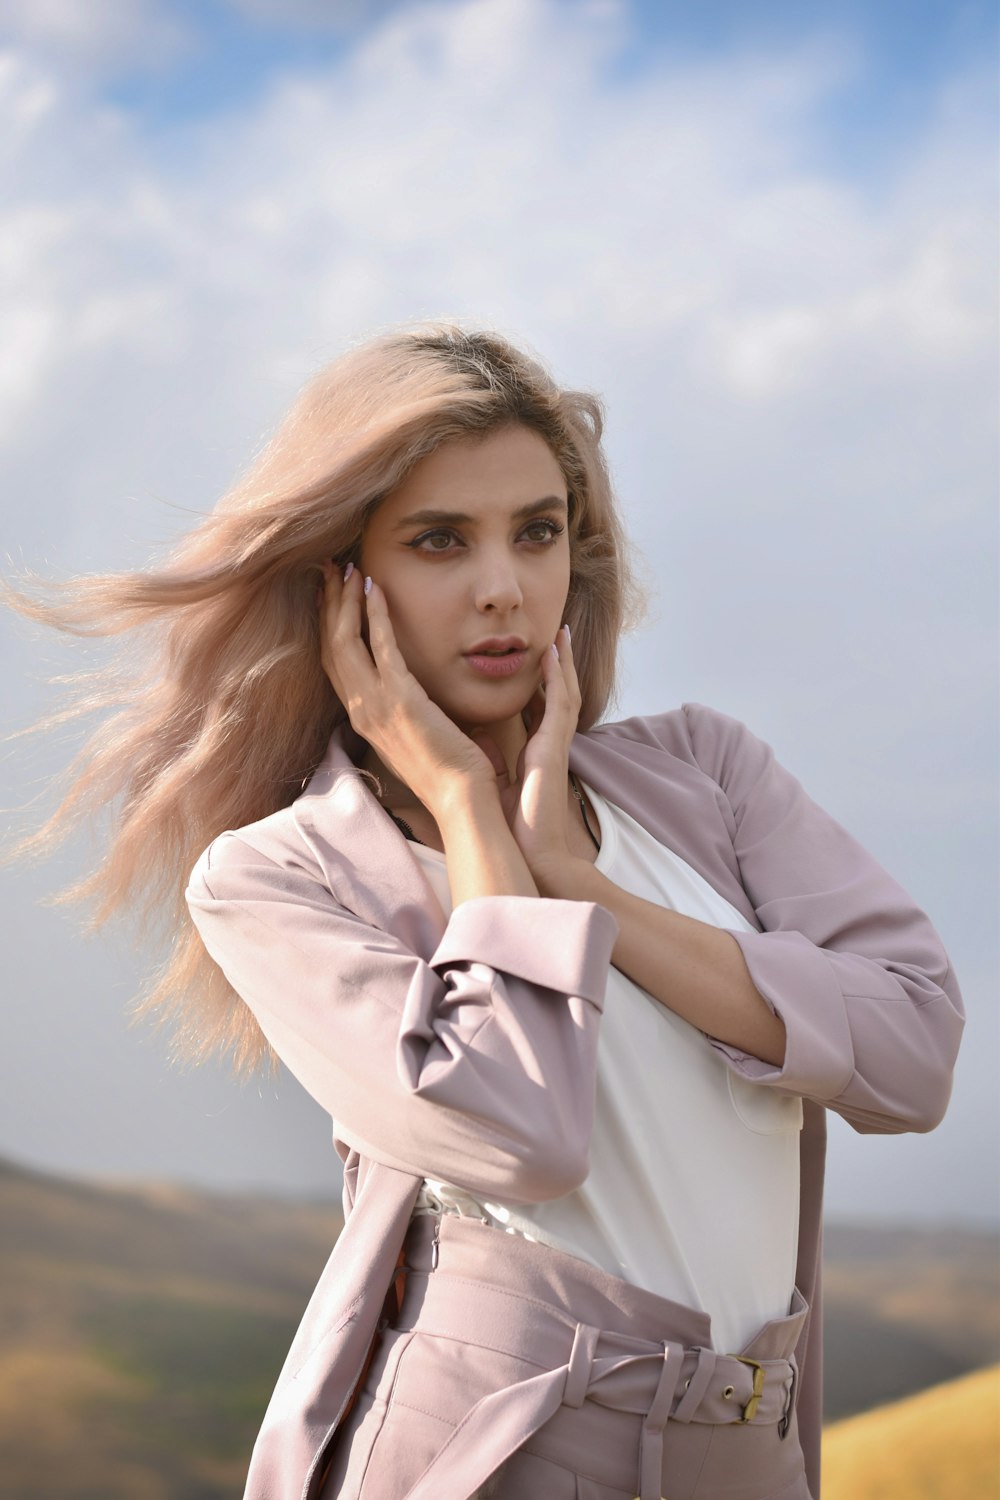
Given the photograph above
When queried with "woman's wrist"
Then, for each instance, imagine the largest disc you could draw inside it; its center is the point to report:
(481, 852)
(461, 799)
(567, 878)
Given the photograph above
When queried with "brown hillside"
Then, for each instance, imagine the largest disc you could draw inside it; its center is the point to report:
(943, 1444)
(906, 1308)
(142, 1332)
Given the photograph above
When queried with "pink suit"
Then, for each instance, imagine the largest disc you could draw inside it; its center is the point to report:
(428, 1042)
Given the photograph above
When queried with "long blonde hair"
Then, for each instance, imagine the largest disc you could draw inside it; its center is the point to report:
(219, 706)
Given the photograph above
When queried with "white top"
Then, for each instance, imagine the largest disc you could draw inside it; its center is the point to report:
(693, 1189)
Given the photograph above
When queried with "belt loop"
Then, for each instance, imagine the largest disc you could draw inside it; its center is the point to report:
(651, 1440)
(580, 1361)
(698, 1384)
(785, 1420)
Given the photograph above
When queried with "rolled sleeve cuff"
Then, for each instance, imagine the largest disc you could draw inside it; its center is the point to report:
(563, 945)
(798, 981)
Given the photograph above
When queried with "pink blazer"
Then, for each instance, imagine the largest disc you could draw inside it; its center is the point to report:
(424, 1039)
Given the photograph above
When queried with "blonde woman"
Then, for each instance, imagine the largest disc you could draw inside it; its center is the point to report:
(576, 995)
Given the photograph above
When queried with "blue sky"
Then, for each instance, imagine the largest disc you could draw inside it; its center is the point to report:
(766, 234)
(226, 54)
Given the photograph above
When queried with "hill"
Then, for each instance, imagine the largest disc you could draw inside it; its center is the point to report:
(939, 1445)
(919, 1305)
(144, 1326)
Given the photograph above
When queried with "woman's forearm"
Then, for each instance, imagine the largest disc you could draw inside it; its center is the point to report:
(481, 852)
(693, 968)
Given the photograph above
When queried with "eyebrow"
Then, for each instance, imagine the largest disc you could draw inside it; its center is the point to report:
(459, 518)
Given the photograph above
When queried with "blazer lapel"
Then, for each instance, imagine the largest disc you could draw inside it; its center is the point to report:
(366, 859)
(672, 799)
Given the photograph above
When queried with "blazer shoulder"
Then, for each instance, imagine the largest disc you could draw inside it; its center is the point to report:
(273, 840)
(704, 737)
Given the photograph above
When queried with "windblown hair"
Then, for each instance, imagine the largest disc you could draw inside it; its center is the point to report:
(220, 709)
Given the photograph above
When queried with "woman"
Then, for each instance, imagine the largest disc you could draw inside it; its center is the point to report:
(576, 995)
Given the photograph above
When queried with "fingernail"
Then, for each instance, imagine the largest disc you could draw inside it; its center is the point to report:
(368, 585)
(348, 571)
(555, 652)
(568, 636)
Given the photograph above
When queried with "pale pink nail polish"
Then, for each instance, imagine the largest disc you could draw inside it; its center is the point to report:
(568, 636)
(555, 650)
(368, 585)
(348, 571)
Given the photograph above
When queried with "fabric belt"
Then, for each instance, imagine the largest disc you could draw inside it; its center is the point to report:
(658, 1381)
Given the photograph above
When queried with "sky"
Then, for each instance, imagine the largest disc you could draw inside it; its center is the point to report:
(766, 234)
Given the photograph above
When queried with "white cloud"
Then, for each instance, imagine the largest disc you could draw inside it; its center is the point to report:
(96, 37)
(25, 98)
(673, 236)
(313, 15)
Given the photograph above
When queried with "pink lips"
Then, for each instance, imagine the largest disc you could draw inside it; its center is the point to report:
(497, 666)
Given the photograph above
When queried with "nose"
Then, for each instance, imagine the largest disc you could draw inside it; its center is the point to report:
(497, 585)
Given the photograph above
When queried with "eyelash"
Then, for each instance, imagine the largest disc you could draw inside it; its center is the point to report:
(555, 531)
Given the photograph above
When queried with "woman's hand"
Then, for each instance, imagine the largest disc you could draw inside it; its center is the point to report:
(385, 703)
(536, 804)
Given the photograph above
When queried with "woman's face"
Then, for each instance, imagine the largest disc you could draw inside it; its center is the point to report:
(474, 544)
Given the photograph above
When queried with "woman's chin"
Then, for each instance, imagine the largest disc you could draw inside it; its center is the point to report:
(492, 703)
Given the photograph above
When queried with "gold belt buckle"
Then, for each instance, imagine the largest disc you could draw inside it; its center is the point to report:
(750, 1410)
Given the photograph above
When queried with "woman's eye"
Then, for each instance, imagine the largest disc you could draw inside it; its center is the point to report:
(550, 530)
(434, 537)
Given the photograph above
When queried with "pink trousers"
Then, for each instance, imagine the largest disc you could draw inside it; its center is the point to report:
(516, 1372)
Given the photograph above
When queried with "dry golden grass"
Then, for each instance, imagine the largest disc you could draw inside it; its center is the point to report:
(38, 1387)
(943, 1444)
